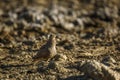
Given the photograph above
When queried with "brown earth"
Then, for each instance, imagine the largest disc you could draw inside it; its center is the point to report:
(85, 30)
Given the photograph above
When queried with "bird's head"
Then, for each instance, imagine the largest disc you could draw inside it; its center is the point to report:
(52, 36)
(52, 39)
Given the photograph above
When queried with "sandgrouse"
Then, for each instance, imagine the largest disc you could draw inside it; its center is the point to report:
(47, 51)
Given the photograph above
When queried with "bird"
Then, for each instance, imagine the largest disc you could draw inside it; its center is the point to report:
(47, 51)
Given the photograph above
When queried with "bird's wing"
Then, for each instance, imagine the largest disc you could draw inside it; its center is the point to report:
(42, 53)
(43, 47)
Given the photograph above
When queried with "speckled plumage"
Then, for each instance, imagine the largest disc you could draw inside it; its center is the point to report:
(47, 51)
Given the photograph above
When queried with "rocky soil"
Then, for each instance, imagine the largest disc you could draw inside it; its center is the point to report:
(87, 34)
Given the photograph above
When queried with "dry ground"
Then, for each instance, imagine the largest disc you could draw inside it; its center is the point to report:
(85, 29)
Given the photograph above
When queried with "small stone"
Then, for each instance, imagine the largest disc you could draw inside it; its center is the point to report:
(42, 67)
(60, 57)
(52, 65)
(68, 26)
